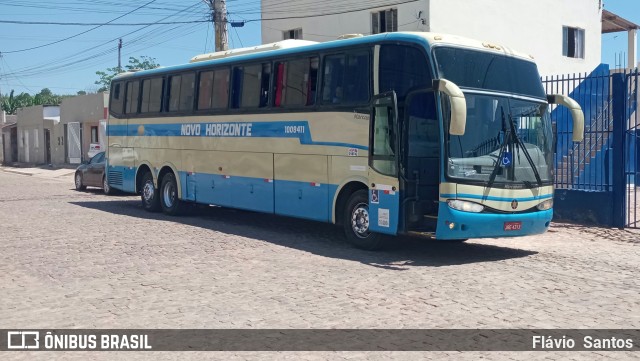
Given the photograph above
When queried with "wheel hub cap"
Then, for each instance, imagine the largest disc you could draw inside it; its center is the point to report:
(360, 221)
(169, 195)
(148, 190)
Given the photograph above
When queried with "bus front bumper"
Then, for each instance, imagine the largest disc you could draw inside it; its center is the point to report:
(455, 224)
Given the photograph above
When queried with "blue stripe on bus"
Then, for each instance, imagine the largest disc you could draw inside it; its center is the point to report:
(282, 129)
(498, 199)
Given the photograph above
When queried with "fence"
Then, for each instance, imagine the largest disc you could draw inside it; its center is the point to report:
(596, 179)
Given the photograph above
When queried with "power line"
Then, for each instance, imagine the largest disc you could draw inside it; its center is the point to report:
(18, 22)
(76, 35)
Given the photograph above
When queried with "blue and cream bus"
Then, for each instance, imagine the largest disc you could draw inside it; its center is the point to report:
(396, 133)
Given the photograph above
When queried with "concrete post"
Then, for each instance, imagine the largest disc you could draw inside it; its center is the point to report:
(632, 38)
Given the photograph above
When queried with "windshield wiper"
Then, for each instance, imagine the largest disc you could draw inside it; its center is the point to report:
(507, 137)
(520, 144)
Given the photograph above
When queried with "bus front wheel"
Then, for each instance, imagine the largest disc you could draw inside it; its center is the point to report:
(356, 223)
(171, 205)
(149, 194)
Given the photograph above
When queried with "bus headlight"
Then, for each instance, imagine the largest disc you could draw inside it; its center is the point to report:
(546, 205)
(465, 206)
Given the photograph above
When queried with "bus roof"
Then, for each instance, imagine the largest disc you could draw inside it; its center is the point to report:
(290, 48)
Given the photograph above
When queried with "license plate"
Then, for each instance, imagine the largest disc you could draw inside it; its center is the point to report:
(512, 226)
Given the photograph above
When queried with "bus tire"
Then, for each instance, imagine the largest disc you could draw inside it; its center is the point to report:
(356, 223)
(149, 194)
(169, 200)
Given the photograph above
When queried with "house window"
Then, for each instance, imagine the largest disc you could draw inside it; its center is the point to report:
(573, 42)
(292, 34)
(384, 21)
(94, 134)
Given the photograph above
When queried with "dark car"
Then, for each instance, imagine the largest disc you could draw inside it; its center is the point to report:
(91, 174)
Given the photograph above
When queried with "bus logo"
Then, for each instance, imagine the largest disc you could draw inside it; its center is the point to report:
(514, 204)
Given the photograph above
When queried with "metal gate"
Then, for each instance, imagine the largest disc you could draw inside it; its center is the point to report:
(597, 179)
(632, 151)
(74, 143)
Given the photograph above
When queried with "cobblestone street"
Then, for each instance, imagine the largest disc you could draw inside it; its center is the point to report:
(73, 259)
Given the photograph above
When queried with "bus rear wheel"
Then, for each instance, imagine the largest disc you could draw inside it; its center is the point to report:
(356, 223)
(169, 200)
(149, 194)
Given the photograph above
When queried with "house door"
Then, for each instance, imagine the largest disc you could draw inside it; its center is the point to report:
(47, 146)
(14, 144)
(74, 143)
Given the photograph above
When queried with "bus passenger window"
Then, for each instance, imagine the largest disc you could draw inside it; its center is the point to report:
(296, 82)
(181, 92)
(220, 89)
(213, 89)
(332, 90)
(403, 68)
(205, 89)
(264, 85)
(133, 88)
(346, 79)
(151, 95)
(251, 82)
(117, 98)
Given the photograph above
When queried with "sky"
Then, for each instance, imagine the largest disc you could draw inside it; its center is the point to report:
(65, 58)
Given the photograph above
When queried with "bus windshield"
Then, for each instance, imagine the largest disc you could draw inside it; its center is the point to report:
(507, 142)
(487, 71)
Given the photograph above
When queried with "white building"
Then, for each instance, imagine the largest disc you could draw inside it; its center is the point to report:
(564, 36)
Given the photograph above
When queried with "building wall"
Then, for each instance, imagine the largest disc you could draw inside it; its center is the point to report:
(326, 28)
(532, 27)
(31, 132)
(88, 110)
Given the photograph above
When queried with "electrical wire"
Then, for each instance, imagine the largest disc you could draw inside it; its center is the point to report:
(76, 35)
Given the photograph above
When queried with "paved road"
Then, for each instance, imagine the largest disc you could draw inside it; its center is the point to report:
(83, 260)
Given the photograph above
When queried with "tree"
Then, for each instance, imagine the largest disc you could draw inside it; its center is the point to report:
(11, 103)
(106, 76)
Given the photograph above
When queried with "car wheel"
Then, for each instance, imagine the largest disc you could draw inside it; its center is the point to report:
(356, 223)
(106, 188)
(169, 200)
(78, 182)
(149, 194)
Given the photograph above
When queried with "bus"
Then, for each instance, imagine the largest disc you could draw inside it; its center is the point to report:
(389, 134)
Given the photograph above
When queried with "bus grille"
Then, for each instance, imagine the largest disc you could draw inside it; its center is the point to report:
(115, 178)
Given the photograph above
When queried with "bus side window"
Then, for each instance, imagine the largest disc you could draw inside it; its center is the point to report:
(346, 79)
(181, 92)
(332, 89)
(117, 98)
(151, 95)
(236, 87)
(296, 82)
(133, 89)
(403, 68)
(221, 89)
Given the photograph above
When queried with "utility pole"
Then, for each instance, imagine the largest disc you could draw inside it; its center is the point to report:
(219, 15)
(119, 54)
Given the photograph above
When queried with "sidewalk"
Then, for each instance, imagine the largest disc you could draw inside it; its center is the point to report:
(46, 172)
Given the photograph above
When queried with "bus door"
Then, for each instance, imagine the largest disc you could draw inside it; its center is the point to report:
(384, 191)
(420, 161)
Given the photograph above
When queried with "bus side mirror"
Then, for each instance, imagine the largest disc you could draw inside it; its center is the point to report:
(576, 113)
(458, 105)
